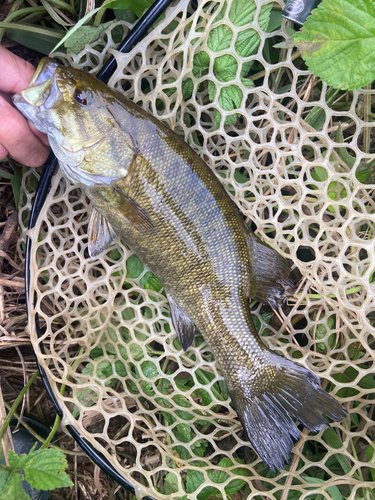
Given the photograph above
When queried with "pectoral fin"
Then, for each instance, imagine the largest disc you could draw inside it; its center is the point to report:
(100, 233)
(185, 328)
(271, 278)
(136, 215)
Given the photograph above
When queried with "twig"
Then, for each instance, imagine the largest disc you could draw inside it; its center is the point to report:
(9, 228)
(17, 283)
(6, 441)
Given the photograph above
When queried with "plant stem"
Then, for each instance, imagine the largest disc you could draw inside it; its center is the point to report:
(41, 439)
(32, 29)
(12, 411)
(14, 8)
(52, 433)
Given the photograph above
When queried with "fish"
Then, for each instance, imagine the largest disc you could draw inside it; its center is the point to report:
(148, 187)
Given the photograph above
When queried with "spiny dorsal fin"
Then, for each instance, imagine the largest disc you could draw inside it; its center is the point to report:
(100, 233)
(271, 278)
(184, 326)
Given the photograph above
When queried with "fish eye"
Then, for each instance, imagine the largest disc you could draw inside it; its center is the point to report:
(83, 97)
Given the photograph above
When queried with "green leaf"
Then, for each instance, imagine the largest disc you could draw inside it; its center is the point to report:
(369, 455)
(247, 42)
(149, 369)
(42, 43)
(194, 479)
(187, 88)
(182, 433)
(275, 20)
(201, 61)
(230, 97)
(126, 15)
(225, 68)
(242, 12)
(75, 28)
(12, 489)
(319, 174)
(17, 461)
(220, 38)
(333, 491)
(170, 484)
(104, 369)
(211, 90)
(199, 447)
(136, 352)
(134, 266)
(15, 179)
(138, 6)
(338, 42)
(45, 470)
(233, 486)
(80, 38)
(4, 481)
(209, 493)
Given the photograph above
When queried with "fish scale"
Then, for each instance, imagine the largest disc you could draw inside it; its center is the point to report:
(155, 192)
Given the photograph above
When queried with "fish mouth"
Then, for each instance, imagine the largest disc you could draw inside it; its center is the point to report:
(40, 86)
(41, 94)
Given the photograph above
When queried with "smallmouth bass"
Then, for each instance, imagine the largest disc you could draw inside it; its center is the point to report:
(151, 189)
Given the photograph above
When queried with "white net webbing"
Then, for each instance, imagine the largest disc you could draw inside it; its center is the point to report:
(296, 159)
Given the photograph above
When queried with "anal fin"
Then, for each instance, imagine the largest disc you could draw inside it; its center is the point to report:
(185, 328)
(100, 233)
(271, 278)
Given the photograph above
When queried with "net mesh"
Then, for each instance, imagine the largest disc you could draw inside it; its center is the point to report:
(295, 158)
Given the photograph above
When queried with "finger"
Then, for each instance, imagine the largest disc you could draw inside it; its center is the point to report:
(3, 152)
(42, 137)
(17, 73)
(17, 137)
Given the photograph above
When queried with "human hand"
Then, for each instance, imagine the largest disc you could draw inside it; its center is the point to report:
(18, 138)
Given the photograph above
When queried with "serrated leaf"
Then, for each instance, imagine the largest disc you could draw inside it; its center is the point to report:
(211, 90)
(17, 461)
(13, 489)
(45, 470)
(247, 42)
(187, 88)
(220, 38)
(4, 480)
(230, 97)
(338, 42)
(201, 61)
(225, 68)
(242, 12)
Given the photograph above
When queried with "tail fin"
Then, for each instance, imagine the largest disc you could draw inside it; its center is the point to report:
(269, 417)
